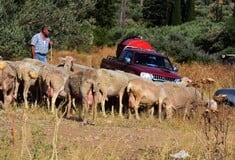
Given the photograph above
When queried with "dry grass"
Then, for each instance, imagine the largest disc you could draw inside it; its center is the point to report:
(90, 59)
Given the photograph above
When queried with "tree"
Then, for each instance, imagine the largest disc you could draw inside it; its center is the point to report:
(104, 13)
(176, 17)
(216, 10)
(122, 18)
(233, 8)
(12, 41)
(157, 12)
(190, 10)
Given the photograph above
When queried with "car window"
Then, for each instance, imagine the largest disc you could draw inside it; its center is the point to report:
(126, 54)
(153, 61)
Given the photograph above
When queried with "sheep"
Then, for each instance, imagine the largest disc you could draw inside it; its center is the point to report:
(76, 72)
(27, 72)
(178, 96)
(144, 92)
(68, 64)
(113, 83)
(108, 80)
(8, 82)
(52, 83)
(84, 89)
(166, 95)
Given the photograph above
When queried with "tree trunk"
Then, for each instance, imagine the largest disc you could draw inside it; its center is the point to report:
(176, 14)
(233, 8)
(191, 10)
(122, 13)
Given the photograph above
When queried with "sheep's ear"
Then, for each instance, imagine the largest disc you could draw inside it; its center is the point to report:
(62, 59)
(70, 58)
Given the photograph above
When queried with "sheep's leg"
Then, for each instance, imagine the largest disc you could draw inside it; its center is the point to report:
(137, 113)
(53, 100)
(129, 113)
(136, 107)
(85, 107)
(68, 111)
(94, 107)
(120, 102)
(131, 103)
(104, 98)
(25, 95)
(7, 100)
(73, 105)
(151, 111)
(37, 96)
(16, 89)
(112, 110)
(103, 107)
(186, 110)
(48, 99)
(160, 105)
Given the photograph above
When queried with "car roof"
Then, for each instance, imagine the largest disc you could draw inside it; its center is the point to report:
(138, 43)
(144, 51)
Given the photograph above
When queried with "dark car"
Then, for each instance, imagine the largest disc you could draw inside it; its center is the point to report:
(228, 58)
(229, 92)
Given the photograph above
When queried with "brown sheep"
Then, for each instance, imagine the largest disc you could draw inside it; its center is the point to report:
(144, 92)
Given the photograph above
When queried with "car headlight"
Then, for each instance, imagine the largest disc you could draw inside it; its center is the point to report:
(177, 81)
(146, 75)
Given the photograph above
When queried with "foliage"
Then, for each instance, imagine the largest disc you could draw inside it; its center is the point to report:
(10, 30)
(216, 11)
(72, 29)
(82, 24)
(104, 17)
(157, 12)
(230, 30)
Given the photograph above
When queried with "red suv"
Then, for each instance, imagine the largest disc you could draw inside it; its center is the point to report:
(139, 57)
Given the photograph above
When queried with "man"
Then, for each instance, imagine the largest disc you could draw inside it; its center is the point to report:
(40, 44)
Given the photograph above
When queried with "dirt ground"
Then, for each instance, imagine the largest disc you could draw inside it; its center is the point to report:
(109, 138)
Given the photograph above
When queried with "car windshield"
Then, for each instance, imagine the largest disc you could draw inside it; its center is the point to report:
(154, 61)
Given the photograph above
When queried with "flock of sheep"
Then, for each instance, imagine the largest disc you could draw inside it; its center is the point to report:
(74, 83)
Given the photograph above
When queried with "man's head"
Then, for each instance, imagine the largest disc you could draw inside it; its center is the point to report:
(46, 31)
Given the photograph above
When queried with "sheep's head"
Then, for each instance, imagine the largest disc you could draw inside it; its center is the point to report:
(185, 81)
(67, 62)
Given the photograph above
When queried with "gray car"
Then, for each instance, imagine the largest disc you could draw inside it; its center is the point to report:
(229, 92)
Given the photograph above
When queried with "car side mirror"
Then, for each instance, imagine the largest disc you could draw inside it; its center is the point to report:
(176, 69)
(128, 60)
